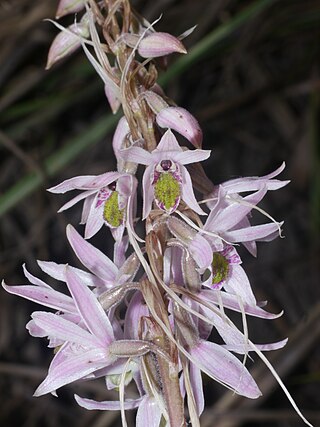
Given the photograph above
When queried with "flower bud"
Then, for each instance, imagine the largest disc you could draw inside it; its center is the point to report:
(182, 121)
(155, 101)
(160, 44)
(112, 95)
(67, 41)
(69, 6)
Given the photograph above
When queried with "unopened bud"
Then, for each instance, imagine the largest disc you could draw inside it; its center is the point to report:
(183, 122)
(160, 44)
(69, 6)
(66, 42)
(180, 230)
(155, 101)
(112, 95)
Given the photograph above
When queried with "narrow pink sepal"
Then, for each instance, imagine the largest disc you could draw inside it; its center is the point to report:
(201, 251)
(223, 366)
(232, 302)
(90, 309)
(45, 296)
(107, 405)
(66, 7)
(243, 348)
(160, 44)
(112, 95)
(95, 220)
(58, 272)
(91, 257)
(76, 199)
(33, 279)
(188, 194)
(72, 368)
(119, 135)
(85, 182)
(255, 232)
(183, 122)
(58, 327)
(238, 284)
(197, 387)
(148, 413)
(148, 192)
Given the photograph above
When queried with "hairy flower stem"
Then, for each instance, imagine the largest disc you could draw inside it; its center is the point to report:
(167, 372)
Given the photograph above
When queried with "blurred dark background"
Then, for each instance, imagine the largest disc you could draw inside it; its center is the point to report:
(255, 88)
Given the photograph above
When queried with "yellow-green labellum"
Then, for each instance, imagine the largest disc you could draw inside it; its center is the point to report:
(167, 192)
(220, 268)
(116, 379)
(111, 212)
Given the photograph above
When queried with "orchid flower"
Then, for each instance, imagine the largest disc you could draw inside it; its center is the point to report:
(107, 199)
(166, 180)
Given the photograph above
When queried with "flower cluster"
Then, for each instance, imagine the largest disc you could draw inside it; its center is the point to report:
(146, 317)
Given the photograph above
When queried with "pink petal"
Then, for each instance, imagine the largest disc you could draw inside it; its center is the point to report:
(223, 366)
(62, 329)
(72, 368)
(112, 95)
(148, 413)
(191, 156)
(255, 232)
(168, 143)
(230, 216)
(251, 246)
(90, 309)
(183, 122)
(58, 272)
(119, 135)
(135, 311)
(91, 257)
(148, 192)
(107, 405)
(136, 155)
(238, 284)
(232, 302)
(95, 220)
(187, 192)
(197, 387)
(86, 208)
(45, 296)
(254, 183)
(85, 182)
(77, 199)
(243, 348)
(33, 279)
(201, 251)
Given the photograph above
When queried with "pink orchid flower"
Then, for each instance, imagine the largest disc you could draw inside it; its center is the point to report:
(166, 180)
(108, 199)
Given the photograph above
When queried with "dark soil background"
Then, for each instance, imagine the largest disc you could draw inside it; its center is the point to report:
(255, 90)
